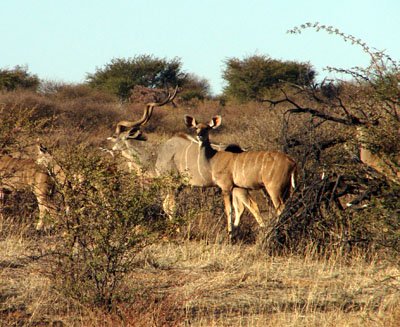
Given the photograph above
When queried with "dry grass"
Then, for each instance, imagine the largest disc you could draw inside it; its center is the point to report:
(199, 284)
(224, 285)
(196, 279)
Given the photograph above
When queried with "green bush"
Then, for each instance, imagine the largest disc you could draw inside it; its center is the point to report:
(110, 216)
(121, 75)
(18, 77)
(194, 88)
(19, 123)
(252, 77)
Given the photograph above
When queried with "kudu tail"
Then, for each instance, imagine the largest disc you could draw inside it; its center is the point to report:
(293, 179)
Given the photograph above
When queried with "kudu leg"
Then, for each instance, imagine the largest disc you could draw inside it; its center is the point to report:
(45, 209)
(240, 198)
(42, 214)
(227, 195)
(277, 200)
(169, 205)
(238, 205)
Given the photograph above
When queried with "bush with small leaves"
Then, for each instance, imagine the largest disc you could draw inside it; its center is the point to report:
(110, 216)
(16, 78)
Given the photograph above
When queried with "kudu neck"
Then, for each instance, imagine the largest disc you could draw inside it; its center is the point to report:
(206, 148)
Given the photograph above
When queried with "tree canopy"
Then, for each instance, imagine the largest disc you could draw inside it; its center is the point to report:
(250, 78)
(18, 77)
(121, 75)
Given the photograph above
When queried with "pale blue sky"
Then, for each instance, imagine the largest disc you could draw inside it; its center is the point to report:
(63, 40)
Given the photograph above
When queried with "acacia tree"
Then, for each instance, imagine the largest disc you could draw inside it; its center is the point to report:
(251, 78)
(121, 75)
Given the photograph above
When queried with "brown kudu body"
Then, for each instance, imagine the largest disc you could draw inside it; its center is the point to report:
(38, 176)
(171, 157)
(183, 155)
(388, 167)
(253, 170)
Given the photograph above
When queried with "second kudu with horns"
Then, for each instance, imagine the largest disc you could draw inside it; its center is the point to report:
(132, 129)
(127, 132)
(274, 171)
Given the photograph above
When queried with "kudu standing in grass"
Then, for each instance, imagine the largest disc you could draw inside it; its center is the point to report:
(38, 176)
(275, 171)
(170, 158)
(182, 154)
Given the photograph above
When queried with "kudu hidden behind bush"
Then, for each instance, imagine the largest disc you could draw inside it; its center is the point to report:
(388, 167)
(40, 176)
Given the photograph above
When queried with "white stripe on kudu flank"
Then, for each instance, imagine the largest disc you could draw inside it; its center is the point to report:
(199, 168)
(274, 158)
(293, 180)
(244, 166)
(263, 163)
(186, 156)
(235, 174)
(258, 156)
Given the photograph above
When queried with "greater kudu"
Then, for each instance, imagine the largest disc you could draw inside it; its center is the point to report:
(275, 171)
(124, 141)
(38, 176)
(389, 167)
(128, 132)
(182, 154)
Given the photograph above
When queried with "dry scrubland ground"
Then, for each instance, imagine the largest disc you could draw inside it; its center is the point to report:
(199, 284)
(194, 277)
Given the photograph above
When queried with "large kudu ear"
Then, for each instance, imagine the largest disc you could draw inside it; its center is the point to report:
(136, 134)
(190, 122)
(215, 121)
(41, 149)
(42, 154)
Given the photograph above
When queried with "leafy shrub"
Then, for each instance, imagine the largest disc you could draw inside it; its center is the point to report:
(86, 109)
(194, 88)
(19, 123)
(70, 113)
(121, 75)
(252, 77)
(110, 217)
(18, 77)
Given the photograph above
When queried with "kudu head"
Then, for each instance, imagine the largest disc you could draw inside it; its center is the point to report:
(202, 129)
(46, 160)
(132, 130)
